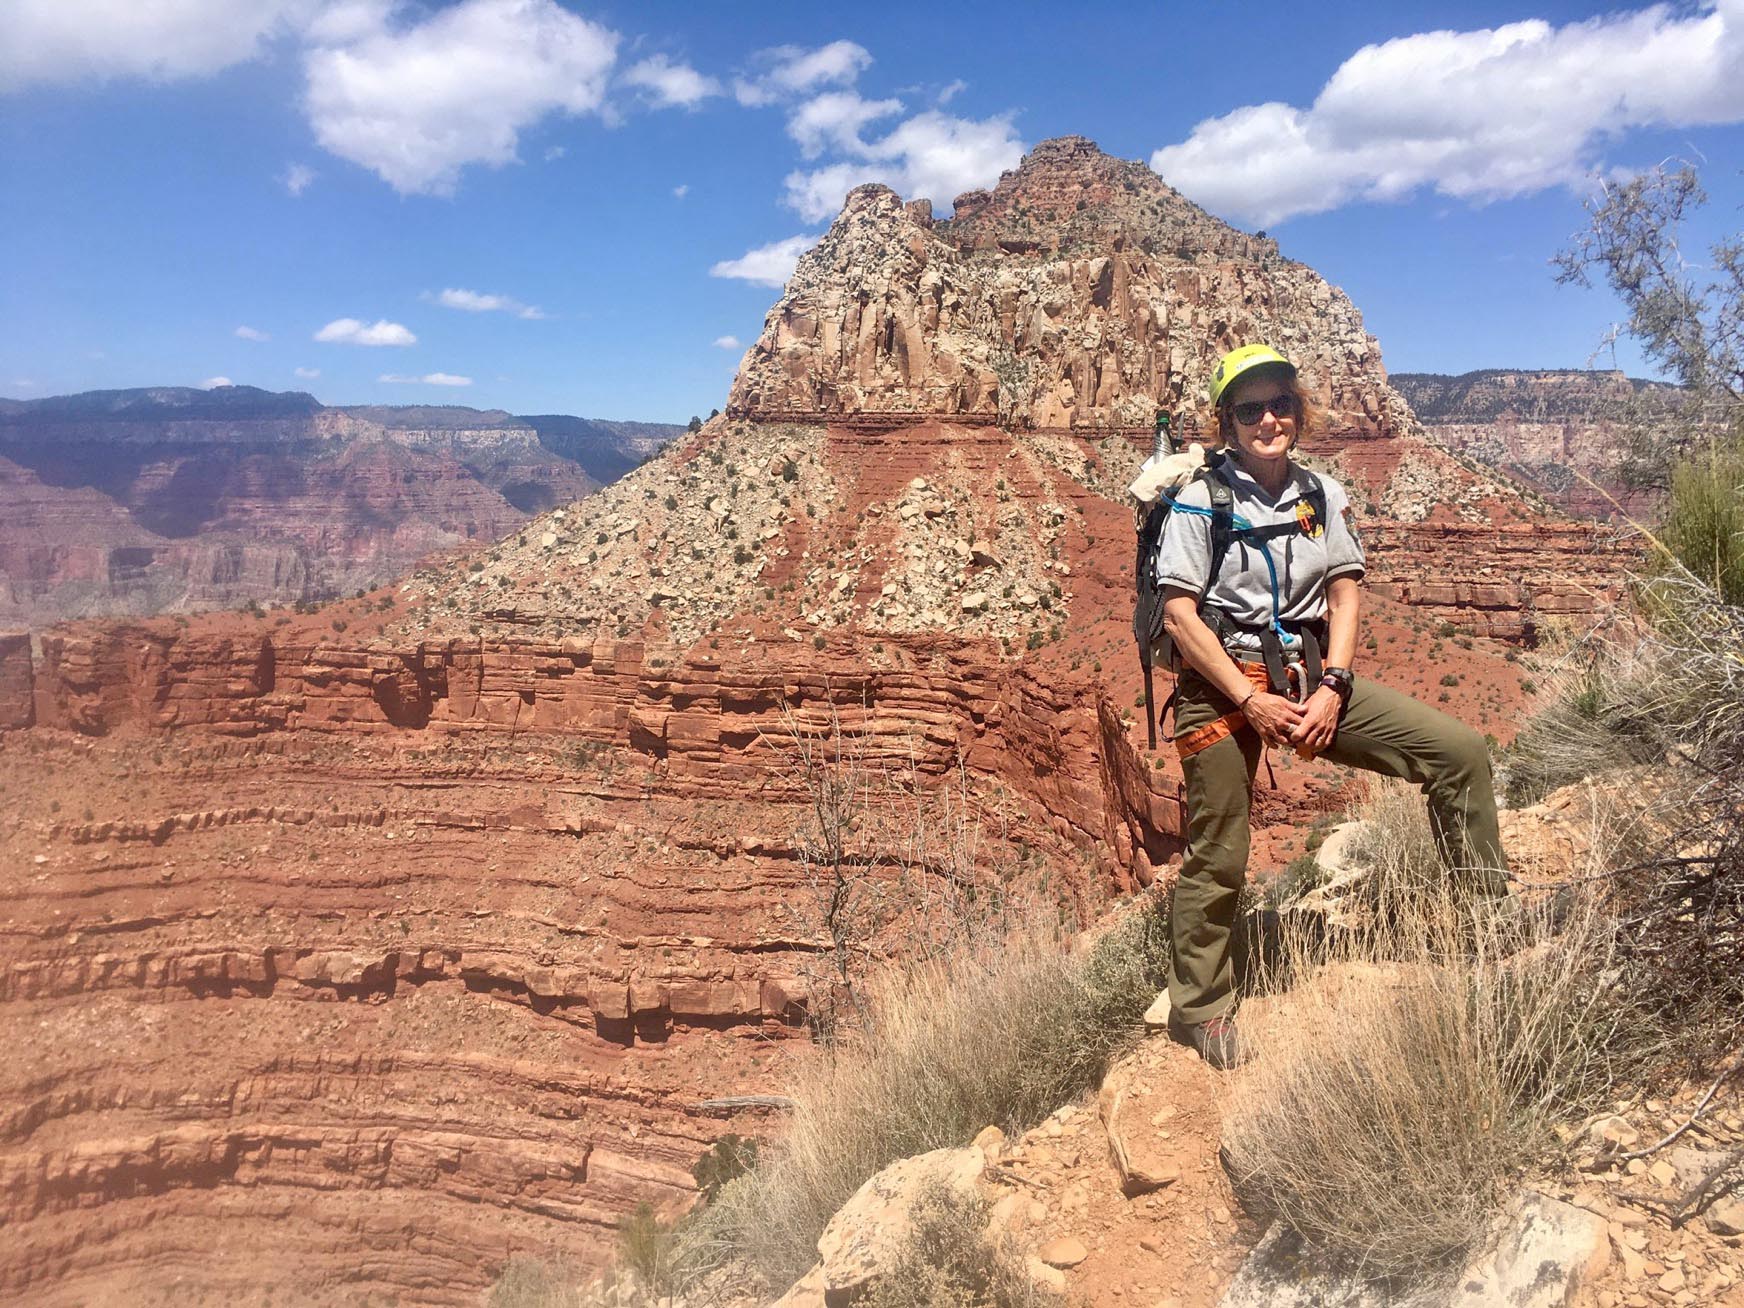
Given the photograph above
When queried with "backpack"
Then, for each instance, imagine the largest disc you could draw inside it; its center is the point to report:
(1154, 641)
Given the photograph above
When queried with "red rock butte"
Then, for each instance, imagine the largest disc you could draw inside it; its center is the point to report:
(349, 954)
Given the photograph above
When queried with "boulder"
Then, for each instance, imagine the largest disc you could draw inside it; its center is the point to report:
(1280, 1274)
(1156, 1017)
(1067, 1251)
(1726, 1216)
(1543, 1253)
(806, 1292)
(867, 1233)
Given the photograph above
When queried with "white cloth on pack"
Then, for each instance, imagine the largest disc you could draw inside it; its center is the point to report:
(1166, 472)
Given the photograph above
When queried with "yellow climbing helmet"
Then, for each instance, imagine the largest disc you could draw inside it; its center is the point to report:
(1245, 359)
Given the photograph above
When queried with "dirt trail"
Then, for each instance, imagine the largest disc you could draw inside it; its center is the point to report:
(1176, 1247)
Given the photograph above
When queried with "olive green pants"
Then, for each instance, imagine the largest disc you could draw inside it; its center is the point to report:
(1379, 731)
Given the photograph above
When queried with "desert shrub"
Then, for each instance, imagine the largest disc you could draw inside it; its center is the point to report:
(532, 1283)
(1597, 717)
(1672, 699)
(1682, 903)
(992, 1033)
(646, 1247)
(729, 1158)
(1300, 875)
(951, 1261)
(1704, 524)
(1412, 1069)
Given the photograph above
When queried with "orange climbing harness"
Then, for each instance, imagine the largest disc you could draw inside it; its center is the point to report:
(1208, 735)
(1191, 742)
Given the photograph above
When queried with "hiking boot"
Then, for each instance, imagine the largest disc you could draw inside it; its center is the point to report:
(1215, 1041)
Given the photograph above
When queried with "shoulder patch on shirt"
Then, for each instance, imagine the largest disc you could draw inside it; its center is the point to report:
(1350, 524)
(1309, 520)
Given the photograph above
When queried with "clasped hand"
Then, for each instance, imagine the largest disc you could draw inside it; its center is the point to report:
(1308, 727)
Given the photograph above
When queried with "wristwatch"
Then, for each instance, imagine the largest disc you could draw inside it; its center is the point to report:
(1339, 681)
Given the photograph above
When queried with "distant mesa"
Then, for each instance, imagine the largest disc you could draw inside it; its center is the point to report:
(173, 498)
(1562, 432)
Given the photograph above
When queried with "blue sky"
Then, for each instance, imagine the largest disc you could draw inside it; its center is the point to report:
(542, 206)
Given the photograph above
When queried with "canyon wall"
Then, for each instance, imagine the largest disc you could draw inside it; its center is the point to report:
(338, 970)
(1564, 433)
(139, 502)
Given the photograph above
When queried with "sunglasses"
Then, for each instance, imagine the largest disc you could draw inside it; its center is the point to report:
(1251, 411)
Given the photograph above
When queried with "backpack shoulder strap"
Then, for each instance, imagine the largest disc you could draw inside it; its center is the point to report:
(1316, 496)
(1222, 522)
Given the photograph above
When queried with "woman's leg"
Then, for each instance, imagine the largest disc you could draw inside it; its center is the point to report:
(1219, 787)
(1390, 733)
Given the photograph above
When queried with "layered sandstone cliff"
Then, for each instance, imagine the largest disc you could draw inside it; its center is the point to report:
(335, 971)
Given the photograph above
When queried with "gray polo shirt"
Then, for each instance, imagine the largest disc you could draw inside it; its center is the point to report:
(1306, 559)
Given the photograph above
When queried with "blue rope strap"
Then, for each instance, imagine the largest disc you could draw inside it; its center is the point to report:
(1241, 524)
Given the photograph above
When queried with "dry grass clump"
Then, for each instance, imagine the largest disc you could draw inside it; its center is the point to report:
(1673, 697)
(1415, 1067)
(527, 1282)
(1683, 906)
(985, 1035)
(1607, 714)
(950, 1260)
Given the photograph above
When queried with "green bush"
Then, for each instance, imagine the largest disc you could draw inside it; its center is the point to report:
(730, 1158)
(1704, 521)
(646, 1248)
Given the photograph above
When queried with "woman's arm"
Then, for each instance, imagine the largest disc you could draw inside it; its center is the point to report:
(1319, 720)
(1273, 716)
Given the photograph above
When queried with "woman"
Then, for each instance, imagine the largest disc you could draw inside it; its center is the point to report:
(1262, 606)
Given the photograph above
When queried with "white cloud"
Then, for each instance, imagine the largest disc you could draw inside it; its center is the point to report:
(478, 302)
(1478, 115)
(349, 331)
(789, 70)
(669, 85)
(931, 154)
(307, 374)
(428, 379)
(54, 41)
(950, 91)
(767, 265)
(339, 22)
(213, 383)
(555, 152)
(419, 103)
(681, 190)
(297, 178)
(728, 342)
(24, 383)
(834, 120)
(251, 334)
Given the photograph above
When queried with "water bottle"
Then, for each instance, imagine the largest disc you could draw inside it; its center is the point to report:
(1160, 443)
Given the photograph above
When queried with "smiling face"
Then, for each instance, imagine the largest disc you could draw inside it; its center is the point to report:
(1270, 401)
